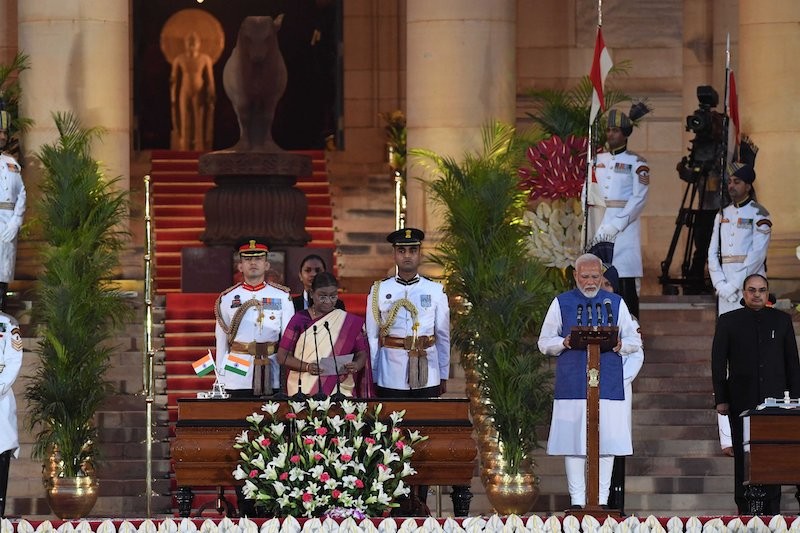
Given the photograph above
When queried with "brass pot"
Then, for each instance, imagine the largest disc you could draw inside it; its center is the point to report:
(71, 497)
(511, 494)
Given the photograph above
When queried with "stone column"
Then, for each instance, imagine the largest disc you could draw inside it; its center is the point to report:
(461, 74)
(80, 62)
(769, 87)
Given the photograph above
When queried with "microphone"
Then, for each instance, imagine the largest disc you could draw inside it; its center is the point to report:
(588, 314)
(580, 314)
(338, 396)
(319, 395)
(599, 313)
(607, 303)
(300, 396)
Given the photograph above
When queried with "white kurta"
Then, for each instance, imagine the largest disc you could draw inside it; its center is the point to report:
(12, 209)
(623, 181)
(257, 325)
(744, 232)
(390, 365)
(568, 425)
(10, 362)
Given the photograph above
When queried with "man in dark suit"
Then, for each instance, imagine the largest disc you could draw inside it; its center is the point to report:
(310, 266)
(753, 357)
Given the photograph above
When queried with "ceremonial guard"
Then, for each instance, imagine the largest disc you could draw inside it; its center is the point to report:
(739, 240)
(10, 364)
(623, 179)
(12, 208)
(408, 326)
(251, 316)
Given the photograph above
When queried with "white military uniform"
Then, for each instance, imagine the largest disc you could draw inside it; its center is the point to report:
(263, 321)
(12, 209)
(623, 179)
(390, 366)
(10, 364)
(744, 232)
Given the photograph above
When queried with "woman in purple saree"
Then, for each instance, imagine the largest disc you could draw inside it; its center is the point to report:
(322, 345)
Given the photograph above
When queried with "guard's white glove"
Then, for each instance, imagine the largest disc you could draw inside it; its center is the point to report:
(726, 291)
(607, 231)
(733, 298)
(9, 232)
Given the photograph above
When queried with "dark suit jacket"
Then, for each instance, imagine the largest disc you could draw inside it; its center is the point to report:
(298, 303)
(753, 357)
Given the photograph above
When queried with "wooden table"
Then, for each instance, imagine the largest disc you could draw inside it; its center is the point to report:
(203, 452)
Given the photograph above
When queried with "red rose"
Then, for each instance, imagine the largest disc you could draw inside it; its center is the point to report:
(359, 484)
(336, 493)
(322, 431)
(308, 441)
(291, 416)
(324, 476)
(350, 416)
(295, 459)
(346, 457)
(265, 442)
(307, 496)
(253, 473)
(284, 476)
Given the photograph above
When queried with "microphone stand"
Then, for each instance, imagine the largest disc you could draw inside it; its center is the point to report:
(299, 396)
(282, 395)
(338, 396)
(319, 395)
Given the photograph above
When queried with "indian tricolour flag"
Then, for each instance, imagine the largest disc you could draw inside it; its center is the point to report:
(204, 365)
(237, 365)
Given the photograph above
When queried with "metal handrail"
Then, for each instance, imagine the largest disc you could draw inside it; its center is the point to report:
(148, 355)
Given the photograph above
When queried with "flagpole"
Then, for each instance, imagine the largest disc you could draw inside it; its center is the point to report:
(723, 157)
(590, 153)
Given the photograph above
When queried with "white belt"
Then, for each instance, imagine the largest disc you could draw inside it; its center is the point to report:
(616, 203)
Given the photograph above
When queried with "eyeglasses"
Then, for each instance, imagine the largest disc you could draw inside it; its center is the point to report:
(328, 299)
(753, 290)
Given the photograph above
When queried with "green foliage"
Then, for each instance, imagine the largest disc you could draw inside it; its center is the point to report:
(10, 94)
(504, 293)
(78, 309)
(565, 113)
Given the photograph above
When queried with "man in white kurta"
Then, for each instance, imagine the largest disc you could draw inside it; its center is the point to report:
(623, 179)
(617, 370)
(251, 316)
(10, 364)
(12, 208)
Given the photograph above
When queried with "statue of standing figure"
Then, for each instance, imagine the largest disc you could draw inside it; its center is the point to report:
(192, 97)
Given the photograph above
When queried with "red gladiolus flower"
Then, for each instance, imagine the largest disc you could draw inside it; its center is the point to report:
(557, 168)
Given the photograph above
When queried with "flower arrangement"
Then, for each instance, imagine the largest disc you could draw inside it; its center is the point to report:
(325, 459)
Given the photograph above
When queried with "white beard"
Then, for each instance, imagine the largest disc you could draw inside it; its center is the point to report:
(590, 294)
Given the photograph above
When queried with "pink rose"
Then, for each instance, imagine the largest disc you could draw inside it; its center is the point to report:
(253, 473)
(284, 476)
(346, 457)
(295, 459)
(307, 496)
(336, 493)
(308, 441)
(350, 417)
(324, 476)
(322, 431)
(335, 440)
(400, 444)
(317, 456)
(359, 484)
(291, 416)
(265, 442)
(369, 440)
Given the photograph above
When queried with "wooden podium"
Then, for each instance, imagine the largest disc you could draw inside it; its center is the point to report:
(203, 453)
(594, 339)
(771, 452)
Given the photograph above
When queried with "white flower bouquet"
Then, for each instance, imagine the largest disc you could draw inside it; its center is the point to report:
(322, 458)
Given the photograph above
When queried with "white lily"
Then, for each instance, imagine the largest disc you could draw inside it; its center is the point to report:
(256, 418)
(271, 408)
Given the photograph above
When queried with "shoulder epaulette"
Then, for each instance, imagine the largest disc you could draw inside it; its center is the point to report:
(760, 209)
(229, 289)
(284, 288)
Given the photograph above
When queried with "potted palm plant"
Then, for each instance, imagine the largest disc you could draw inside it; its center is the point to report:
(503, 294)
(78, 311)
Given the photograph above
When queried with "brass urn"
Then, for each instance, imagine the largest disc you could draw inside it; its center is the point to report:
(69, 497)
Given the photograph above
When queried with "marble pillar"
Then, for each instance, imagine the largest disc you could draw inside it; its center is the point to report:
(461, 74)
(768, 82)
(80, 62)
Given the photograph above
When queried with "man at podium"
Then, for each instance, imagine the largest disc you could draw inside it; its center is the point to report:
(588, 305)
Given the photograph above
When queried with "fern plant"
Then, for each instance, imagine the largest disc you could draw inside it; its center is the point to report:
(79, 308)
(504, 292)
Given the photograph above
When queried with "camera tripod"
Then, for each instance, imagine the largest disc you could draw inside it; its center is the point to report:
(699, 222)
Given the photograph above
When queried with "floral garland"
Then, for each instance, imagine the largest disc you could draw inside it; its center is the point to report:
(316, 463)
